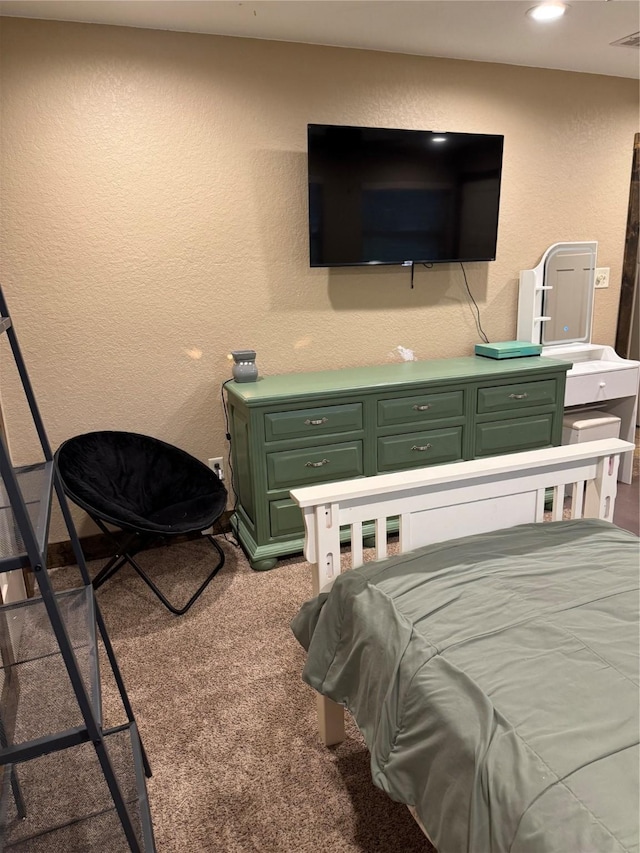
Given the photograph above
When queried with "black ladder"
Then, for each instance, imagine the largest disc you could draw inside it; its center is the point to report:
(52, 737)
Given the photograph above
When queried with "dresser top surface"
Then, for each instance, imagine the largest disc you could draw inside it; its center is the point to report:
(388, 376)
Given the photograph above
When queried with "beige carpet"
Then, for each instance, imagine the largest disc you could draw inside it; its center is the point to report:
(228, 724)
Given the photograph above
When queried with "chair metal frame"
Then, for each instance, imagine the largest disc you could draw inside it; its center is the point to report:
(133, 545)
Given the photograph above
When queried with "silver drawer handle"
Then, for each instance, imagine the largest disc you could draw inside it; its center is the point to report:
(316, 464)
(421, 447)
(318, 422)
(422, 408)
(518, 396)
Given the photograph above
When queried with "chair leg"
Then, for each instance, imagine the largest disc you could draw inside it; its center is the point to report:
(115, 563)
(126, 554)
(119, 558)
(178, 611)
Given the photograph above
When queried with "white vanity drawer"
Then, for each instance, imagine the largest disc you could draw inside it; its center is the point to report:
(605, 385)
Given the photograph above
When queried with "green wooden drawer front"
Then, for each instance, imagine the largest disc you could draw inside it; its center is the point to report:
(285, 518)
(511, 398)
(405, 410)
(513, 435)
(310, 422)
(419, 449)
(291, 468)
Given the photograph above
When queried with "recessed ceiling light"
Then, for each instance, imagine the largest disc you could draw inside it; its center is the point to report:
(438, 139)
(548, 11)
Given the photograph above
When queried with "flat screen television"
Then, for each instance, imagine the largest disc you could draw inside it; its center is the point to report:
(382, 196)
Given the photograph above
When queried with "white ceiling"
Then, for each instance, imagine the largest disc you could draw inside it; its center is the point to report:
(482, 30)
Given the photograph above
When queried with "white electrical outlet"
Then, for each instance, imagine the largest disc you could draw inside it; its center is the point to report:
(602, 276)
(216, 464)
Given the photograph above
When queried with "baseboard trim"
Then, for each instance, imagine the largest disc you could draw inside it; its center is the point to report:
(100, 547)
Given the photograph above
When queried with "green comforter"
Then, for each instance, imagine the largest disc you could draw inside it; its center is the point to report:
(495, 681)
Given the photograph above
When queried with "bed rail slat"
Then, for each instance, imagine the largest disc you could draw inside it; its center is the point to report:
(405, 532)
(381, 537)
(577, 500)
(357, 557)
(558, 503)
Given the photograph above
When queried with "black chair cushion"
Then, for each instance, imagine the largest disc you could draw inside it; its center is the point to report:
(140, 483)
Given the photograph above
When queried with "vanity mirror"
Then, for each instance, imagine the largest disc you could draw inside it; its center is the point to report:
(568, 302)
(555, 309)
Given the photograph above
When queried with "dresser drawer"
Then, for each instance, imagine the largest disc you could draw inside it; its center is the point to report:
(426, 407)
(510, 436)
(285, 518)
(290, 468)
(305, 423)
(418, 449)
(512, 398)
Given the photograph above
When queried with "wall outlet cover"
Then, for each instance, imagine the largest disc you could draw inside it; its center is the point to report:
(216, 463)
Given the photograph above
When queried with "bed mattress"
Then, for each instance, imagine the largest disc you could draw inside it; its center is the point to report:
(495, 681)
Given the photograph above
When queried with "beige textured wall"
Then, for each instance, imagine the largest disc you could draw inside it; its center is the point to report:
(154, 214)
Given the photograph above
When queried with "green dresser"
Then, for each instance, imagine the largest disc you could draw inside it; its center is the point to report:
(304, 428)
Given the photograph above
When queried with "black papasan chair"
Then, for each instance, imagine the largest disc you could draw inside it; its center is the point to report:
(147, 488)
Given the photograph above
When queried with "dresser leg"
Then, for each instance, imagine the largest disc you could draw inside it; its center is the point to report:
(263, 565)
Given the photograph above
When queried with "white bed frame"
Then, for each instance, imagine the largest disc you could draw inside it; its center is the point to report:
(448, 501)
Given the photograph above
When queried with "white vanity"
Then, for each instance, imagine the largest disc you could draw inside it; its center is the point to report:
(555, 309)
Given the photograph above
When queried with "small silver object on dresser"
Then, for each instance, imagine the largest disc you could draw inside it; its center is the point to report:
(244, 367)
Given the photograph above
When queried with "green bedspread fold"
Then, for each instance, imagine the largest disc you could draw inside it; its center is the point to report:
(495, 681)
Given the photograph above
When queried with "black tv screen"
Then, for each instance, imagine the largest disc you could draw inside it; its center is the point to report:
(382, 196)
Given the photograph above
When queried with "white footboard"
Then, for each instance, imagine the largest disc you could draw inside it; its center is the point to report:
(448, 501)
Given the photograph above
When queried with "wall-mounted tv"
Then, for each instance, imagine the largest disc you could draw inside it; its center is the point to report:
(382, 196)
